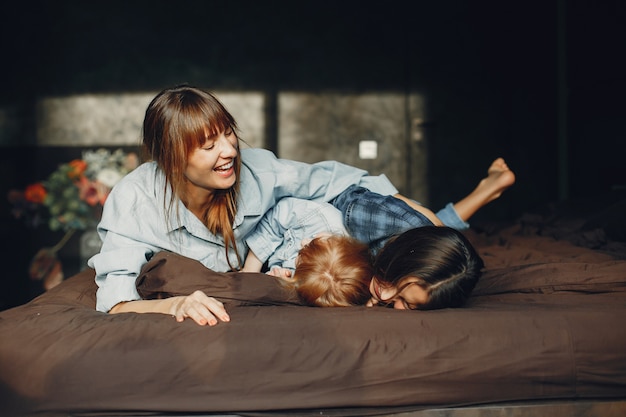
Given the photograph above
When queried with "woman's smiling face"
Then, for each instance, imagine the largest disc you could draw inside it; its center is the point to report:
(211, 166)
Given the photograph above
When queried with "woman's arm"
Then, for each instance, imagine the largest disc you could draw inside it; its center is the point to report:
(321, 181)
(197, 306)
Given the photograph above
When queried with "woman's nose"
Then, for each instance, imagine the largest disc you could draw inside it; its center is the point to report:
(227, 148)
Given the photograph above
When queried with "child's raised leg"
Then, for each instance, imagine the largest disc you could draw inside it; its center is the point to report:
(499, 178)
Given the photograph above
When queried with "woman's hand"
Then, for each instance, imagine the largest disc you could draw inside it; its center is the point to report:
(200, 308)
(197, 306)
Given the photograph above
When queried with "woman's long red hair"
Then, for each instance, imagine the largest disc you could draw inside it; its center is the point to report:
(178, 121)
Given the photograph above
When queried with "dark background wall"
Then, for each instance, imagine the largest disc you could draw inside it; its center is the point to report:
(540, 83)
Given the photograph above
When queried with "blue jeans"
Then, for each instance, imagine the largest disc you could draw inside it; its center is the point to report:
(373, 218)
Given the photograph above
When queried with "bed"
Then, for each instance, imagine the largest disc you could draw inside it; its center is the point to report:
(543, 334)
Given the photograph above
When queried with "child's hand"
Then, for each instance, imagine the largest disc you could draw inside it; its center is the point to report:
(280, 272)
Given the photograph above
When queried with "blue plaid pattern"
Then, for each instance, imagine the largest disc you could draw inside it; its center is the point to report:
(373, 218)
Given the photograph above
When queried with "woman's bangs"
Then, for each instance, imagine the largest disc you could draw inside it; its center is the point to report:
(218, 120)
(203, 123)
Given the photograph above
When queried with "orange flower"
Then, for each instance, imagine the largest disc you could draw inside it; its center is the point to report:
(35, 193)
(78, 168)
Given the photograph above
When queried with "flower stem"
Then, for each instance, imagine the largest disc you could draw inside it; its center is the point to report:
(63, 241)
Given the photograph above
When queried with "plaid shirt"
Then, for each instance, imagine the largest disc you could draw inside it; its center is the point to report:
(373, 218)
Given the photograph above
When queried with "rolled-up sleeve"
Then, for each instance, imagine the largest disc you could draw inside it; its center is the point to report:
(116, 272)
(128, 230)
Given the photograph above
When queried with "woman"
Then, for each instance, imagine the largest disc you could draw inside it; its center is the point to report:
(200, 195)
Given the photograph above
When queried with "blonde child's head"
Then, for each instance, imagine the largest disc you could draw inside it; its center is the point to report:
(333, 271)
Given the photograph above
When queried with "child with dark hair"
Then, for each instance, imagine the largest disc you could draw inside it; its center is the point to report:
(419, 266)
(425, 268)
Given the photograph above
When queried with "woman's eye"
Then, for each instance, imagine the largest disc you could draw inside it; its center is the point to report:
(228, 132)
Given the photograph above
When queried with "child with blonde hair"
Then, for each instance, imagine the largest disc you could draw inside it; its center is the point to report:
(305, 244)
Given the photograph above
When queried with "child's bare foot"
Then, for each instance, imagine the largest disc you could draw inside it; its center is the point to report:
(499, 178)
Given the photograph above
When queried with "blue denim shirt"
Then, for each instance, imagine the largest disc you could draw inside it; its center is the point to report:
(278, 237)
(134, 224)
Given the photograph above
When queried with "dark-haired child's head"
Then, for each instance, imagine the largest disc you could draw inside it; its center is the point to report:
(426, 268)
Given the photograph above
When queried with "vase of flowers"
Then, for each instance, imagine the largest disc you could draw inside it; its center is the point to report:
(70, 200)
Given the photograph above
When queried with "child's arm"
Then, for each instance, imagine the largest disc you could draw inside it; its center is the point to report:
(266, 237)
(277, 237)
(252, 263)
